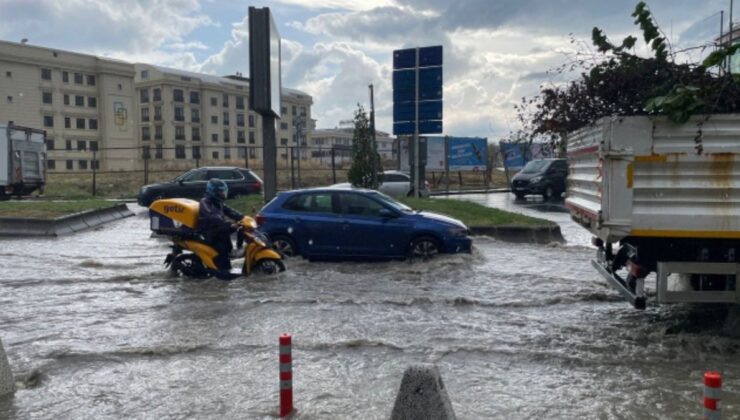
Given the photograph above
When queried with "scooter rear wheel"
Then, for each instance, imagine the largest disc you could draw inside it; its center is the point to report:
(188, 265)
(269, 266)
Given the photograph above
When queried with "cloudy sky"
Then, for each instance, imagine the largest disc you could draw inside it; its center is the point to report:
(496, 51)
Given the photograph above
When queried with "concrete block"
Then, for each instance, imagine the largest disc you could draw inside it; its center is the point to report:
(422, 396)
(7, 382)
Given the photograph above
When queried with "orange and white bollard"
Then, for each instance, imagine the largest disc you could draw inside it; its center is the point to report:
(286, 375)
(712, 397)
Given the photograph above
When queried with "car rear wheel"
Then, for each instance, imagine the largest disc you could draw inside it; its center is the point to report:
(424, 248)
(285, 246)
(519, 196)
(549, 193)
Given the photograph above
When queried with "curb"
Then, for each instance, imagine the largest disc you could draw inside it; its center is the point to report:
(463, 192)
(7, 382)
(521, 233)
(73, 223)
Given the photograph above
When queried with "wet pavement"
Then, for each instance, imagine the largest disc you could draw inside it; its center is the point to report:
(95, 328)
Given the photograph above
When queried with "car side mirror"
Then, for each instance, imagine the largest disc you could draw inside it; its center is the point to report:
(386, 214)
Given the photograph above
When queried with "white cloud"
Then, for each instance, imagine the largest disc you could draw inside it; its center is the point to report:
(337, 4)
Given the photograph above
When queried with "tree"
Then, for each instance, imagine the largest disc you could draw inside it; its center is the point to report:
(365, 159)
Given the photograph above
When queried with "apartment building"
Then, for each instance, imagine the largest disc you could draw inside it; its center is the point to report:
(83, 102)
(324, 139)
(184, 116)
(125, 112)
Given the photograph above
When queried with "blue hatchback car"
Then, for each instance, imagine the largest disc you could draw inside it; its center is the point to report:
(352, 223)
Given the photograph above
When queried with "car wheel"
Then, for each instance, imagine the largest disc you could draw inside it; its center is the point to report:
(519, 196)
(424, 248)
(285, 246)
(549, 193)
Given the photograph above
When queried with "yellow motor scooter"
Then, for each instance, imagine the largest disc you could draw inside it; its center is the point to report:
(191, 256)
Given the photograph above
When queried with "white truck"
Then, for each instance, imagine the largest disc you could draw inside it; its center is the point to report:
(22, 160)
(661, 197)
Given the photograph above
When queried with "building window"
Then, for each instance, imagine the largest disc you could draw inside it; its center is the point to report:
(81, 145)
(157, 113)
(303, 111)
(157, 93)
(95, 164)
(90, 80)
(251, 137)
(46, 74)
(227, 137)
(179, 113)
(251, 121)
(226, 118)
(48, 121)
(82, 164)
(239, 102)
(49, 144)
(145, 114)
(283, 126)
(240, 120)
(68, 145)
(158, 132)
(196, 152)
(78, 78)
(46, 97)
(180, 133)
(9, 74)
(195, 134)
(81, 123)
(79, 100)
(179, 152)
(214, 101)
(145, 74)
(195, 115)
(92, 124)
(145, 134)
(178, 96)
(241, 152)
(252, 153)
(146, 152)
(194, 98)
(144, 96)
(226, 100)
(67, 122)
(215, 155)
(158, 152)
(70, 165)
(214, 119)
(66, 99)
(94, 145)
(240, 137)
(51, 164)
(10, 99)
(92, 102)
(65, 77)
(283, 110)
(214, 138)
(283, 141)
(227, 152)
(293, 110)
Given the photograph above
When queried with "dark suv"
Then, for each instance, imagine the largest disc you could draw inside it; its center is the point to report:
(543, 176)
(192, 184)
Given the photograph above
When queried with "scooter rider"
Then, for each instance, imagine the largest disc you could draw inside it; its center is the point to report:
(213, 221)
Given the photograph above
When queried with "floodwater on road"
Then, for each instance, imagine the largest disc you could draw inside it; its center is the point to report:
(95, 328)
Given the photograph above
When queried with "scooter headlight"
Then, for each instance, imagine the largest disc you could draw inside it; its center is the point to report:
(176, 224)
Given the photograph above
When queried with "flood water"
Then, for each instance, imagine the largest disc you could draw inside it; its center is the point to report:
(95, 328)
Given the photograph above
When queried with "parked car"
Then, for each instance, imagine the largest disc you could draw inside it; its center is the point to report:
(192, 184)
(543, 176)
(340, 223)
(393, 183)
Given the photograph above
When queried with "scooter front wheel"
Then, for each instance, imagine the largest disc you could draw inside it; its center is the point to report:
(269, 266)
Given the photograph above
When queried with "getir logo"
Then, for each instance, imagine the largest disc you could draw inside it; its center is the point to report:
(174, 209)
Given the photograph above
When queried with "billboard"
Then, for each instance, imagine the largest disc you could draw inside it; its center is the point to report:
(264, 63)
(516, 155)
(435, 154)
(468, 154)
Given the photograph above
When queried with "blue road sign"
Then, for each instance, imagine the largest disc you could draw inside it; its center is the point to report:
(430, 75)
(400, 96)
(403, 79)
(430, 56)
(403, 128)
(429, 127)
(403, 111)
(404, 59)
(430, 92)
(428, 110)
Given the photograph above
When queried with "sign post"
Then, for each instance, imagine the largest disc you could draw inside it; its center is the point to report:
(417, 99)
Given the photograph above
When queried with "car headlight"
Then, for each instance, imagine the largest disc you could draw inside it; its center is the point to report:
(535, 180)
(457, 232)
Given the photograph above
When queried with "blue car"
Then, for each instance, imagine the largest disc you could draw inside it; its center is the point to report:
(356, 223)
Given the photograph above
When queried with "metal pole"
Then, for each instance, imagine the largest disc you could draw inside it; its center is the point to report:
(375, 145)
(417, 184)
(729, 59)
(292, 167)
(95, 158)
(721, 36)
(447, 163)
(246, 157)
(269, 157)
(333, 167)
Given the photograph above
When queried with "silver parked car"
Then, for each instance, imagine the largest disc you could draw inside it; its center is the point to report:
(395, 184)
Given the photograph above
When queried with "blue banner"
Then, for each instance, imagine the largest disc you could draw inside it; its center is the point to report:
(467, 154)
(516, 155)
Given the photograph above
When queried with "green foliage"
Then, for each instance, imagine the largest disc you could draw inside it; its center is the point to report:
(678, 104)
(650, 31)
(366, 163)
(718, 57)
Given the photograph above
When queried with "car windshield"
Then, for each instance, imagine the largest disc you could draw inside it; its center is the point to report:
(535, 166)
(393, 203)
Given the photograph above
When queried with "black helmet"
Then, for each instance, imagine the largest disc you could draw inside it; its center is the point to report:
(217, 189)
